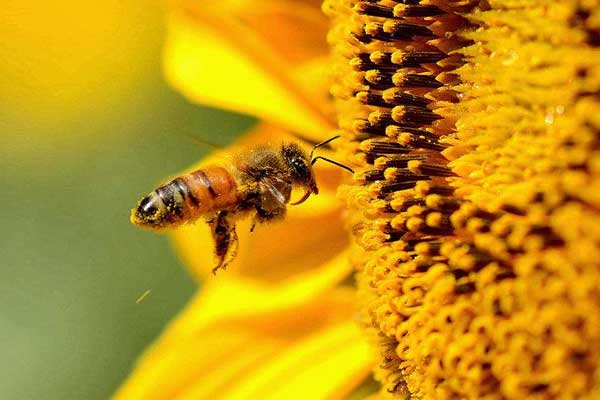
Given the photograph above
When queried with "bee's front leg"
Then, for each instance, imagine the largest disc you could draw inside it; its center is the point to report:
(226, 239)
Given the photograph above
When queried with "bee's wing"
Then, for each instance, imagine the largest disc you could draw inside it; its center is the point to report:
(271, 187)
(274, 194)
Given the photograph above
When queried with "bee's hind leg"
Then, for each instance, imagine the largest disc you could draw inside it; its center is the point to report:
(226, 239)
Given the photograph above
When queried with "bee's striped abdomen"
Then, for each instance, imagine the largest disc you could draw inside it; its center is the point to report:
(213, 187)
(186, 198)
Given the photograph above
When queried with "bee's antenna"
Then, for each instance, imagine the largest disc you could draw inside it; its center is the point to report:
(316, 146)
(313, 160)
(347, 168)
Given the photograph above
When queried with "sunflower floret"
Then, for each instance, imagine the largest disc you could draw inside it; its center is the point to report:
(473, 128)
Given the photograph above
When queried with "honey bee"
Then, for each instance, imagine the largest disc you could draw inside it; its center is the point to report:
(258, 184)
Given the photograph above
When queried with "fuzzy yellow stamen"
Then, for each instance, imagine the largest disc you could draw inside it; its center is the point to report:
(473, 128)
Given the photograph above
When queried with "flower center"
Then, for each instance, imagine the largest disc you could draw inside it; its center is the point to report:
(471, 127)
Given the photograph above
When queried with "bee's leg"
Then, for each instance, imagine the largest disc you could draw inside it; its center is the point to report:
(268, 216)
(226, 239)
(263, 216)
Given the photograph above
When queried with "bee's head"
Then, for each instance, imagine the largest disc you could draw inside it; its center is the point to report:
(300, 168)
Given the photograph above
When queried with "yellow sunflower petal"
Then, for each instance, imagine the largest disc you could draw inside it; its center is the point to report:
(309, 239)
(326, 364)
(305, 350)
(238, 56)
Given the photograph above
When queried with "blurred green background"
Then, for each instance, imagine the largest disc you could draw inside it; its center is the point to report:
(87, 126)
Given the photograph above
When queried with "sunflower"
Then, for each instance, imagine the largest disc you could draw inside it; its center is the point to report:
(473, 129)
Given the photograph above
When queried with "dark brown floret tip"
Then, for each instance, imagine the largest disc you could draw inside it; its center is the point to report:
(404, 71)
(409, 9)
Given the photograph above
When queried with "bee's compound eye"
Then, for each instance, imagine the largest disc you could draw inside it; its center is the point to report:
(299, 164)
(300, 168)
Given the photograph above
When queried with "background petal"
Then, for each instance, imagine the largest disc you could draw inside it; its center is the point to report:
(304, 350)
(253, 59)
